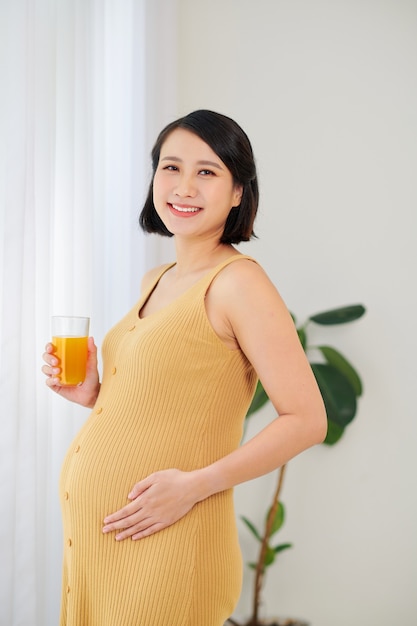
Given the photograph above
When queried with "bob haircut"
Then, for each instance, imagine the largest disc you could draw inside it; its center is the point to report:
(231, 144)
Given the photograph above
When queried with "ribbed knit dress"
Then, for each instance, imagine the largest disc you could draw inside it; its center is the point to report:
(172, 396)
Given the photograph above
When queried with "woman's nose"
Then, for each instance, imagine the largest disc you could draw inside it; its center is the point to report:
(185, 186)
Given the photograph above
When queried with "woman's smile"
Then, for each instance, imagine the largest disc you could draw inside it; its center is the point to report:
(185, 211)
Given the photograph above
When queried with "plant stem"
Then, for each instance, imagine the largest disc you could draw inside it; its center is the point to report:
(260, 566)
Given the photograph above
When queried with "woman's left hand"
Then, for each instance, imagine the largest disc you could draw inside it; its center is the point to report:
(158, 501)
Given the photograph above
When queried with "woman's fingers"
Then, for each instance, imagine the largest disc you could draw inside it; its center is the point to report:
(164, 498)
(85, 393)
(124, 517)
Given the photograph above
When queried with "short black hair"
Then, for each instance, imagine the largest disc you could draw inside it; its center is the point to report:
(231, 144)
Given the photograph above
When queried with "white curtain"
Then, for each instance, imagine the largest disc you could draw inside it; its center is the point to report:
(80, 103)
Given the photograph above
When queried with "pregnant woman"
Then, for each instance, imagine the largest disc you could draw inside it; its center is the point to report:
(146, 486)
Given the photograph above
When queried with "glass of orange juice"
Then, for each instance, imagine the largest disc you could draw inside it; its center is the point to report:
(69, 337)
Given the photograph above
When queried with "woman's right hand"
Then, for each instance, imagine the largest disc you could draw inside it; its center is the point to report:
(85, 393)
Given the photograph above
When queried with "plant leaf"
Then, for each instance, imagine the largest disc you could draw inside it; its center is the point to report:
(333, 357)
(278, 519)
(341, 315)
(269, 556)
(338, 395)
(282, 547)
(268, 560)
(302, 336)
(259, 399)
(251, 527)
(334, 433)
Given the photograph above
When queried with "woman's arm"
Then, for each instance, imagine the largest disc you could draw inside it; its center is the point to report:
(255, 314)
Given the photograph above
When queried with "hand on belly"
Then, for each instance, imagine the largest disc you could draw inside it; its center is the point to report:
(156, 502)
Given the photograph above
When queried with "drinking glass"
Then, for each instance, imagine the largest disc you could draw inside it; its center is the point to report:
(69, 337)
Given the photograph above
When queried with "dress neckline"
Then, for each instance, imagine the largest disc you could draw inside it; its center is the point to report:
(165, 269)
(145, 297)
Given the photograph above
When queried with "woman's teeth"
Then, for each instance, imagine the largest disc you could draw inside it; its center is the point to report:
(185, 209)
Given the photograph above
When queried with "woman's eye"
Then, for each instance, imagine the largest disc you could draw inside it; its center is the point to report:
(171, 168)
(206, 172)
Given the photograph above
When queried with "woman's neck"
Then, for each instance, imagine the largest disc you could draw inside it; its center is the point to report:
(195, 257)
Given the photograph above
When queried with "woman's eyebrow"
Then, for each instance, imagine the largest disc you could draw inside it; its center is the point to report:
(203, 162)
(210, 164)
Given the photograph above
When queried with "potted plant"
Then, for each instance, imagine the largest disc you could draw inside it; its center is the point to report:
(340, 386)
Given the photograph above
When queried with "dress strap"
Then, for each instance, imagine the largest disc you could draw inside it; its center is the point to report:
(210, 276)
(162, 270)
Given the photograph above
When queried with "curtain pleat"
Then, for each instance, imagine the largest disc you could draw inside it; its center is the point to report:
(74, 125)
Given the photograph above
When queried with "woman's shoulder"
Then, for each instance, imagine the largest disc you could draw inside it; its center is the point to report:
(240, 282)
(243, 270)
(241, 295)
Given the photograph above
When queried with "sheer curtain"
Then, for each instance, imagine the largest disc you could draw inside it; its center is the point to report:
(82, 94)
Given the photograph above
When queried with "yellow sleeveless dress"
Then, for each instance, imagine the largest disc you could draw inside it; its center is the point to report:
(172, 396)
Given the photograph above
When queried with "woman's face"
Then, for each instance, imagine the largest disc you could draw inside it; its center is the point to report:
(193, 191)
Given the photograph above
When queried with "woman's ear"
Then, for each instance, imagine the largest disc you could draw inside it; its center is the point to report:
(237, 195)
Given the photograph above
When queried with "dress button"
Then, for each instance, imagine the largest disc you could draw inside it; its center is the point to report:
(66, 495)
(114, 370)
(132, 328)
(69, 543)
(68, 589)
(77, 449)
(99, 410)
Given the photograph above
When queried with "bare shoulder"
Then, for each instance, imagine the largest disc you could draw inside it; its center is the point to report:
(243, 281)
(243, 303)
(247, 269)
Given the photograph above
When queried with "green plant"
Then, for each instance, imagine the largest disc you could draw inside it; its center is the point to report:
(340, 386)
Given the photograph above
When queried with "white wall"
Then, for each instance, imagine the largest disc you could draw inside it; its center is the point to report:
(327, 91)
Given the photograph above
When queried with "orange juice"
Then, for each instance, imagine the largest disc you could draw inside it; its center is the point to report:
(72, 355)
